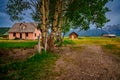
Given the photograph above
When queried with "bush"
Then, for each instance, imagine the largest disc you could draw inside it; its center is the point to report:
(65, 42)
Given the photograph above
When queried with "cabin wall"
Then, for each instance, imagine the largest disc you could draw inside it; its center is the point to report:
(36, 34)
(73, 36)
(10, 36)
(31, 35)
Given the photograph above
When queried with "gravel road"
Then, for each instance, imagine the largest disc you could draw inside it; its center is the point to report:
(87, 62)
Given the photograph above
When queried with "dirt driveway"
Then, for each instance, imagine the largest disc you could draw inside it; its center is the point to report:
(87, 62)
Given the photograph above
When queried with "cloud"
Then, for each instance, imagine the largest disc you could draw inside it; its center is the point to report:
(4, 20)
(3, 4)
(114, 14)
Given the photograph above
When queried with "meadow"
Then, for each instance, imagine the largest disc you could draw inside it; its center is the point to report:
(17, 43)
(41, 65)
(95, 40)
(37, 67)
(110, 45)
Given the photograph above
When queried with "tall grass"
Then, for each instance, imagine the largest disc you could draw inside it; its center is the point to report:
(38, 67)
(112, 48)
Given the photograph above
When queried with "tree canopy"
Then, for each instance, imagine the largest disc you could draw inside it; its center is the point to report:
(60, 14)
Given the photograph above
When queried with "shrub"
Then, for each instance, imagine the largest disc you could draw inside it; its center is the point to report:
(65, 42)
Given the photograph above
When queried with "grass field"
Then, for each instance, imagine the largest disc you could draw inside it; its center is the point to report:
(96, 40)
(110, 45)
(39, 66)
(17, 43)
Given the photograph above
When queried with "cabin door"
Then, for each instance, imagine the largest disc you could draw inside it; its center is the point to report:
(20, 35)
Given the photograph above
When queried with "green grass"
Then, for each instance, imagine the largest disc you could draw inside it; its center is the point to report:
(96, 40)
(110, 45)
(38, 67)
(112, 48)
(67, 41)
(17, 44)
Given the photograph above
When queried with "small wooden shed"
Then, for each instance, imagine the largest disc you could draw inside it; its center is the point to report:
(73, 35)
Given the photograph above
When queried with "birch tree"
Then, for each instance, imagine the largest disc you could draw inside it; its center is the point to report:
(60, 14)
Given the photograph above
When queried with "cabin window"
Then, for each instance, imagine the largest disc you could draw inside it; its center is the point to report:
(35, 34)
(14, 34)
(26, 34)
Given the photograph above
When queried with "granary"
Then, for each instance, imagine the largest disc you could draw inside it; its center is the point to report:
(109, 35)
(24, 31)
(73, 35)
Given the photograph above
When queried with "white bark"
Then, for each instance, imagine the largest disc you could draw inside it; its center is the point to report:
(46, 43)
(39, 48)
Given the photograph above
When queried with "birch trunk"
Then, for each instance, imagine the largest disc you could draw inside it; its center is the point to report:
(60, 31)
(39, 48)
(54, 27)
(47, 22)
(44, 19)
(60, 21)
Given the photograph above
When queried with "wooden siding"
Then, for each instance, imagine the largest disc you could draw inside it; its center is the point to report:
(73, 35)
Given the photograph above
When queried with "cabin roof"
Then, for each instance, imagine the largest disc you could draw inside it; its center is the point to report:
(23, 27)
(74, 33)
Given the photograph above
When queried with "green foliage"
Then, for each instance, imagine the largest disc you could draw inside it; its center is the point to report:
(66, 26)
(78, 13)
(16, 8)
(3, 30)
(84, 12)
(38, 67)
(65, 42)
(29, 44)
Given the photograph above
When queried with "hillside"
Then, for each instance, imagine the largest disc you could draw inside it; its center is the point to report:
(91, 32)
(113, 29)
(3, 30)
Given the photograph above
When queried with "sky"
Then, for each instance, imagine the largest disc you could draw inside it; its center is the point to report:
(113, 15)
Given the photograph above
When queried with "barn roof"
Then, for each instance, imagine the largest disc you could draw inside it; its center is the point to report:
(23, 27)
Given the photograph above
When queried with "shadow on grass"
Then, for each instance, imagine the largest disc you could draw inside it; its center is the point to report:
(38, 67)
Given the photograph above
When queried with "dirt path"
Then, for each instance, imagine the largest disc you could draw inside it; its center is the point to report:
(88, 62)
